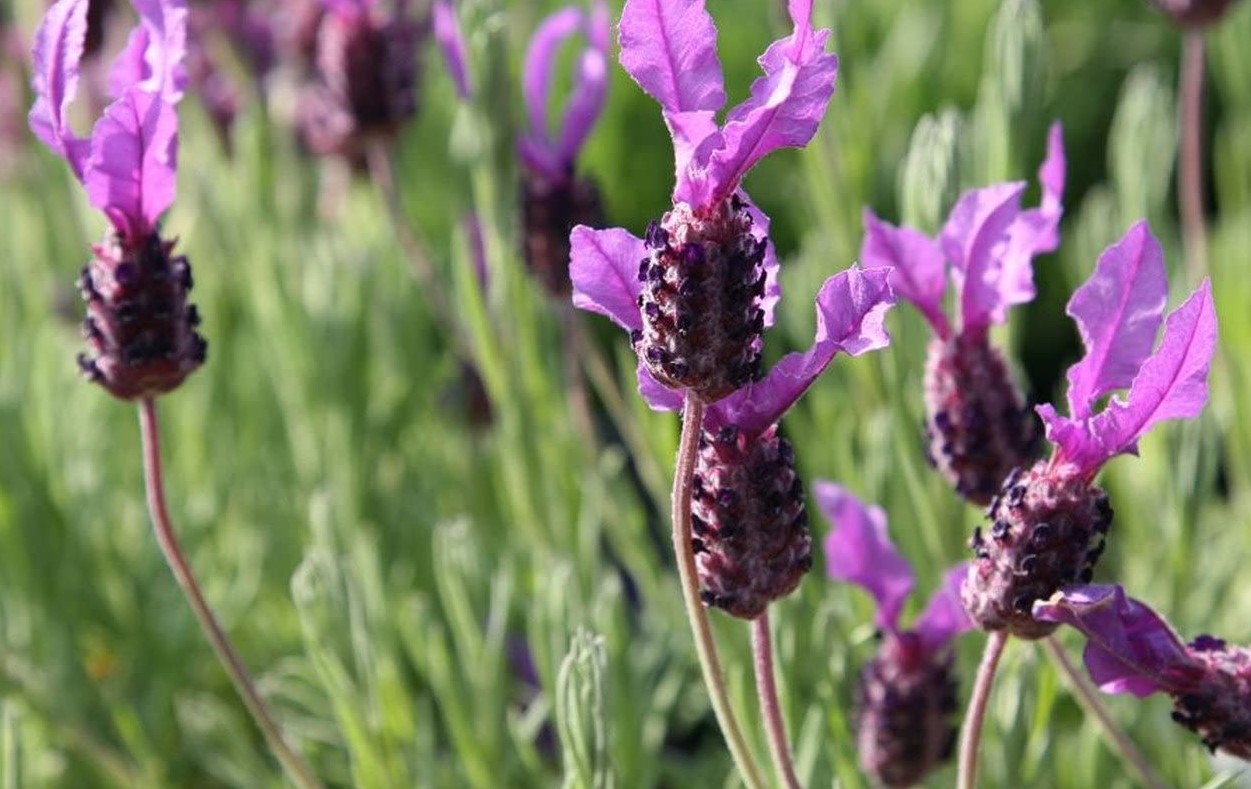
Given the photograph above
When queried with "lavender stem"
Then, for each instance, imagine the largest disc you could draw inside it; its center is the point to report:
(971, 734)
(1090, 703)
(684, 551)
(766, 687)
(1190, 172)
(297, 770)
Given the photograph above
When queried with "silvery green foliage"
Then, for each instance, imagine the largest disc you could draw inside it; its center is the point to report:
(929, 179)
(581, 714)
(1011, 92)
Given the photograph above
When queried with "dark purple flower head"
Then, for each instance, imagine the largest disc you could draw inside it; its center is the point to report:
(553, 199)
(1050, 522)
(977, 423)
(1132, 649)
(906, 697)
(705, 278)
(139, 326)
(365, 86)
(128, 164)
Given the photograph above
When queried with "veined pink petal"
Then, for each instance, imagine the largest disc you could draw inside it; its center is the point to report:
(130, 68)
(604, 268)
(656, 394)
(919, 269)
(57, 52)
(447, 34)
(851, 313)
(975, 239)
(166, 25)
(1129, 647)
(695, 136)
(669, 47)
(1118, 312)
(944, 617)
(785, 107)
(1173, 382)
(1051, 173)
(130, 174)
(859, 551)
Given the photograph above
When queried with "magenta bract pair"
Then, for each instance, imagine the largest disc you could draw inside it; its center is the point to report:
(128, 163)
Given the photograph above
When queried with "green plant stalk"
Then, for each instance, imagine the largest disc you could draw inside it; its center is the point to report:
(1090, 703)
(971, 734)
(296, 768)
(684, 551)
(770, 709)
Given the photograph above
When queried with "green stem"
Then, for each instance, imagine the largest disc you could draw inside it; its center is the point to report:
(971, 736)
(297, 770)
(1089, 701)
(770, 709)
(684, 550)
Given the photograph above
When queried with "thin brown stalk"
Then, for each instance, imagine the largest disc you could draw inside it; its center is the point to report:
(1190, 166)
(770, 709)
(971, 736)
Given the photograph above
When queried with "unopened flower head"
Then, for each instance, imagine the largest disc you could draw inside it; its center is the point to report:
(977, 424)
(553, 198)
(1131, 649)
(705, 277)
(139, 326)
(1050, 522)
(365, 86)
(906, 697)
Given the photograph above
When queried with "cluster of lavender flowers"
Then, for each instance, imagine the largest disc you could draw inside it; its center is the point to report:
(696, 294)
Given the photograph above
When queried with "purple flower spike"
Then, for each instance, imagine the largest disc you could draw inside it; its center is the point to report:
(447, 34)
(976, 420)
(906, 696)
(553, 199)
(139, 326)
(1131, 649)
(1118, 313)
(1050, 523)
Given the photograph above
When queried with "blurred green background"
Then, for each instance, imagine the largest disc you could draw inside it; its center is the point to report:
(431, 598)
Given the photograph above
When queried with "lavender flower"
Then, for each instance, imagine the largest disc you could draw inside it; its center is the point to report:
(366, 82)
(139, 326)
(976, 420)
(1050, 522)
(751, 538)
(1131, 649)
(906, 696)
(707, 264)
(451, 41)
(553, 199)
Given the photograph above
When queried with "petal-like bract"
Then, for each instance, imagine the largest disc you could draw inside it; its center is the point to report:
(975, 240)
(918, 267)
(1118, 313)
(447, 34)
(131, 173)
(604, 265)
(57, 53)
(944, 617)
(1129, 648)
(859, 551)
(669, 47)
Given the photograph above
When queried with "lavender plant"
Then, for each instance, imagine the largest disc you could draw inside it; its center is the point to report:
(906, 697)
(977, 425)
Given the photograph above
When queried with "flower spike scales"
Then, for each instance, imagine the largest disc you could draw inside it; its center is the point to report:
(906, 696)
(977, 424)
(139, 326)
(1050, 522)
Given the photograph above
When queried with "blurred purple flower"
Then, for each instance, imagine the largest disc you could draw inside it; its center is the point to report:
(1195, 13)
(139, 325)
(553, 199)
(1050, 522)
(708, 266)
(1132, 649)
(978, 425)
(906, 696)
